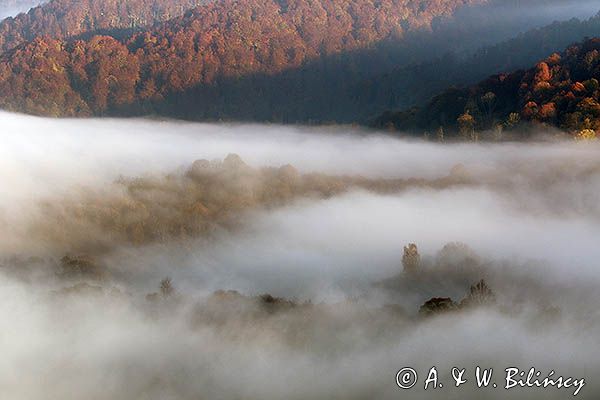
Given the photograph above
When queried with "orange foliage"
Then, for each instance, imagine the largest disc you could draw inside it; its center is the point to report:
(226, 38)
(65, 18)
(543, 73)
(548, 111)
(567, 94)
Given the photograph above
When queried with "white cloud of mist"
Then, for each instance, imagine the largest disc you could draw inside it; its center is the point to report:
(106, 351)
(41, 156)
(531, 213)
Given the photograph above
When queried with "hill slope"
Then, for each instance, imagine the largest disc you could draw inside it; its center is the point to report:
(225, 39)
(66, 18)
(562, 90)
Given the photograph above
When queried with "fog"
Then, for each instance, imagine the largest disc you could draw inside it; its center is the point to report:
(11, 8)
(542, 9)
(527, 215)
(532, 12)
(495, 21)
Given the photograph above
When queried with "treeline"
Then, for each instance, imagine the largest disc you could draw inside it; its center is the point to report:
(208, 197)
(562, 91)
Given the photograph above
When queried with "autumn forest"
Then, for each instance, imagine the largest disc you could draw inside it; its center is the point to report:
(299, 62)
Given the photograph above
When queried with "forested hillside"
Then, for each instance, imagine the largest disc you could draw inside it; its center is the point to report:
(227, 39)
(561, 91)
(66, 18)
(264, 60)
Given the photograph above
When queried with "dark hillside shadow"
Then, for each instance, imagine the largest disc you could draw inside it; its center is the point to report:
(354, 87)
